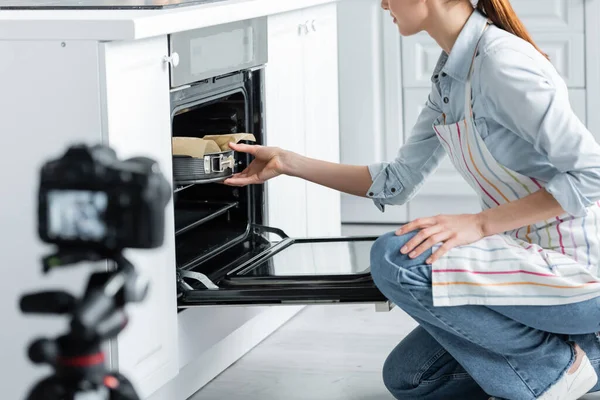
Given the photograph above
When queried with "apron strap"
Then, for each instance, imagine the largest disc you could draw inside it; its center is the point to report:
(468, 94)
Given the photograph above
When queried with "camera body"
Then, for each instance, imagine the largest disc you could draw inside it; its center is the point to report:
(92, 206)
(89, 199)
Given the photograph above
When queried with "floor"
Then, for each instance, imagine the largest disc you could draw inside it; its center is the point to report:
(330, 352)
(324, 353)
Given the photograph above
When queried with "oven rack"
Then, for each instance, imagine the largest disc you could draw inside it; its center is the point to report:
(192, 214)
(180, 187)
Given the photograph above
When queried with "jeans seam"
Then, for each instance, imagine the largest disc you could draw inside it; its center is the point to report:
(466, 336)
(419, 374)
(459, 376)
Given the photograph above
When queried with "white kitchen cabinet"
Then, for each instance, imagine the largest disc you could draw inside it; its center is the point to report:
(371, 117)
(420, 54)
(96, 93)
(135, 80)
(286, 196)
(551, 15)
(302, 116)
(38, 128)
(322, 111)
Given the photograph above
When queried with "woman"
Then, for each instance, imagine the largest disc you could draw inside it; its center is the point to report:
(507, 300)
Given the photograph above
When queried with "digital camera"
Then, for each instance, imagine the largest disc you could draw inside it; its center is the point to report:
(89, 199)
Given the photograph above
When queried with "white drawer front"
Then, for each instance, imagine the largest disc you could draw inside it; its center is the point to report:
(566, 50)
(551, 15)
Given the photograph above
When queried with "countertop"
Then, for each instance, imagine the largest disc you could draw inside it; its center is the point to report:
(110, 25)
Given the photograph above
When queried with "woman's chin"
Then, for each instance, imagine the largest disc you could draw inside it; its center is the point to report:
(406, 32)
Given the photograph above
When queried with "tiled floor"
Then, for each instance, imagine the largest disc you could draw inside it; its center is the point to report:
(325, 353)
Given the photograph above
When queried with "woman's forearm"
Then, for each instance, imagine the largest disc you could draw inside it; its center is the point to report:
(536, 207)
(350, 179)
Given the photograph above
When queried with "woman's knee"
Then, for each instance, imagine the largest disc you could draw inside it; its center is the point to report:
(387, 260)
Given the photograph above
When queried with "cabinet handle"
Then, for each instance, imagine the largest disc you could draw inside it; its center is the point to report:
(314, 25)
(173, 59)
(303, 29)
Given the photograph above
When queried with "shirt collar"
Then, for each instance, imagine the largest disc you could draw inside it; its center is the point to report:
(458, 63)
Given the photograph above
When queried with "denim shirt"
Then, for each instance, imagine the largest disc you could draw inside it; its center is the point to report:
(521, 110)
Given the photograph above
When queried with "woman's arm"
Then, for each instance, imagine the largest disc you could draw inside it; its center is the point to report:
(522, 91)
(529, 210)
(460, 230)
(270, 162)
(352, 179)
(386, 183)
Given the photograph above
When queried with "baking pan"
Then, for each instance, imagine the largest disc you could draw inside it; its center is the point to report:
(212, 167)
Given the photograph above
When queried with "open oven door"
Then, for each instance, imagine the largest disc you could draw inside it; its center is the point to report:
(267, 267)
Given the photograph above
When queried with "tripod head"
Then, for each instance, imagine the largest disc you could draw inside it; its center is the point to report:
(102, 207)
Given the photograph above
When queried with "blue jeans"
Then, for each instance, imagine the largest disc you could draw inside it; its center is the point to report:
(473, 352)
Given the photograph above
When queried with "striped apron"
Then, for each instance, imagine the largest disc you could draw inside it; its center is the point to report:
(548, 263)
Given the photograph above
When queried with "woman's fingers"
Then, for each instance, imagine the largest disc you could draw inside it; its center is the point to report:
(419, 223)
(244, 148)
(242, 181)
(430, 242)
(445, 248)
(420, 238)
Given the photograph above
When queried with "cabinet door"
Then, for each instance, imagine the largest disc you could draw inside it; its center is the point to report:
(322, 114)
(578, 103)
(370, 99)
(551, 15)
(286, 196)
(567, 54)
(420, 54)
(137, 123)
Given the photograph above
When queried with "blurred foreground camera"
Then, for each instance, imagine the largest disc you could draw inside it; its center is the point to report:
(90, 199)
(92, 206)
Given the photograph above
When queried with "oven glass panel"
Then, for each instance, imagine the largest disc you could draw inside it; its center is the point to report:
(318, 258)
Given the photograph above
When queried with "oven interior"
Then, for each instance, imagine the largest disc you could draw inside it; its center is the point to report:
(215, 224)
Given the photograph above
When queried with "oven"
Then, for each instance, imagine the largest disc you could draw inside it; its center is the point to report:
(226, 252)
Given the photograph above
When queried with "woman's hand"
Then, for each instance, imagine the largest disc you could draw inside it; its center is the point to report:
(268, 163)
(452, 230)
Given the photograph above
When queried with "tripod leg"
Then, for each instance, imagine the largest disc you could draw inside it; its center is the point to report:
(120, 387)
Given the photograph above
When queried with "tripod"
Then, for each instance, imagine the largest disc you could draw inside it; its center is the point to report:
(77, 356)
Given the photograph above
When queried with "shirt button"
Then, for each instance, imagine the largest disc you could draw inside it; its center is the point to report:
(393, 190)
(446, 100)
(436, 76)
(371, 194)
(443, 74)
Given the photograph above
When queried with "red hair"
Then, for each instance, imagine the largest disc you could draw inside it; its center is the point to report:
(501, 13)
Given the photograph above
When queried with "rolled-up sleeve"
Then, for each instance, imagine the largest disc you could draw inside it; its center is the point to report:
(529, 98)
(396, 182)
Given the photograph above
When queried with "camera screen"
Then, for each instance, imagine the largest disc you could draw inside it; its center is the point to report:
(77, 215)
